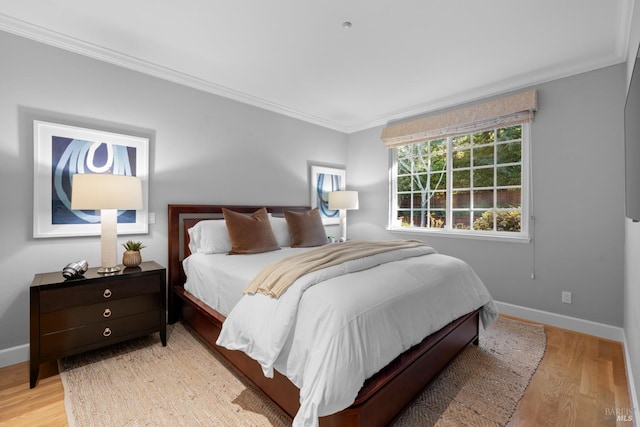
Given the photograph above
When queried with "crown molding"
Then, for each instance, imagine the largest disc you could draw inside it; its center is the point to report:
(90, 50)
(533, 78)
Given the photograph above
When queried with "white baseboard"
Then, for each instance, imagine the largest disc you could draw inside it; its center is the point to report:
(561, 321)
(635, 406)
(13, 355)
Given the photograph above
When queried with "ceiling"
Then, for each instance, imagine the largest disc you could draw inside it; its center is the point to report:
(398, 59)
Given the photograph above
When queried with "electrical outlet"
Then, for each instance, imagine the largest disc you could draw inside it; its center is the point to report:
(152, 218)
(566, 297)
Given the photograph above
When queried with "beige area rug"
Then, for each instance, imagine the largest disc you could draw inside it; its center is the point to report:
(141, 383)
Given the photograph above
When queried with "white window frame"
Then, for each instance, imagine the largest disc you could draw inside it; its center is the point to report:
(525, 221)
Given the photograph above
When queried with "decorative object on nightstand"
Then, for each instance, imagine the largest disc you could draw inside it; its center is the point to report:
(108, 193)
(131, 256)
(75, 269)
(73, 316)
(343, 201)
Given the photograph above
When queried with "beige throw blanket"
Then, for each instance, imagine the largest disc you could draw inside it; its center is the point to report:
(276, 278)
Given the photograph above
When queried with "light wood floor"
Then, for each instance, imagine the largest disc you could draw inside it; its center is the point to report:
(581, 381)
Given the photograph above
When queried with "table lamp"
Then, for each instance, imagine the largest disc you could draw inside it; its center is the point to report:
(343, 200)
(108, 193)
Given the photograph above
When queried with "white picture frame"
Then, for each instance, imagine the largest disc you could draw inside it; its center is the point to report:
(61, 151)
(324, 180)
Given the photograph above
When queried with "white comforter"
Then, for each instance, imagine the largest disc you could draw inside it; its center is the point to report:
(328, 339)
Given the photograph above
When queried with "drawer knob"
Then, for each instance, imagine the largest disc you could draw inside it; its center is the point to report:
(106, 293)
(107, 313)
(106, 332)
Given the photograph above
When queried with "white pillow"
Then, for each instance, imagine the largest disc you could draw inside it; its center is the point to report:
(209, 237)
(212, 237)
(280, 230)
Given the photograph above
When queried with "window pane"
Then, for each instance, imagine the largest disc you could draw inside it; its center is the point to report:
(461, 220)
(437, 219)
(483, 156)
(419, 165)
(438, 181)
(438, 161)
(461, 179)
(483, 177)
(439, 200)
(404, 151)
(507, 134)
(509, 198)
(508, 220)
(509, 175)
(481, 138)
(404, 183)
(462, 141)
(438, 146)
(420, 181)
(404, 218)
(483, 220)
(419, 200)
(404, 200)
(510, 152)
(461, 159)
(483, 199)
(422, 149)
(404, 167)
(420, 218)
(461, 199)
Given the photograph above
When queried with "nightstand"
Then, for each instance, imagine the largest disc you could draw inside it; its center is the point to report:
(72, 316)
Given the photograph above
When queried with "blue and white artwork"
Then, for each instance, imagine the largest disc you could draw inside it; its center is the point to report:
(325, 184)
(323, 181)
(70, 156)
(61, 151)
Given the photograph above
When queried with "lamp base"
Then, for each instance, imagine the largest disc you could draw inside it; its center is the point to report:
(109, 241)
(343, 225)
(108, 270)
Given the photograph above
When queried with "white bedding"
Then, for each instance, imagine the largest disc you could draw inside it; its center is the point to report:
(218, 279)
(328, 339)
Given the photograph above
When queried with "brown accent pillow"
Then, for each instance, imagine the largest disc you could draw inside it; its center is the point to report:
(250, 234)
(306, 228)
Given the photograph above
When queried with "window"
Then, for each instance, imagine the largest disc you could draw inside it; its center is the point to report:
(470, 184)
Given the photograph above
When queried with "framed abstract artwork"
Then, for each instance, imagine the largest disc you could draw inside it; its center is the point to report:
(60, 151)
(323, 181)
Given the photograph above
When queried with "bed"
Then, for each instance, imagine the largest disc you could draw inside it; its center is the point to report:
(382, 396)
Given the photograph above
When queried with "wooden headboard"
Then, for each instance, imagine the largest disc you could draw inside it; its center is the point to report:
(182, 217)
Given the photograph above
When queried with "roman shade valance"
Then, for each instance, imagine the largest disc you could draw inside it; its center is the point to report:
(505, 111)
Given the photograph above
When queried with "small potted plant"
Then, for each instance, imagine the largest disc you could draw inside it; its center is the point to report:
(131, 256)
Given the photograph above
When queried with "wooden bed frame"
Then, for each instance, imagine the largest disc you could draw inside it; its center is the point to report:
(383, 396)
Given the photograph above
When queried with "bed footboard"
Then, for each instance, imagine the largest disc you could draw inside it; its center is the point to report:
(383, 396)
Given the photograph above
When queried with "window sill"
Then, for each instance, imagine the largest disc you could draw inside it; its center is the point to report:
(462, 235)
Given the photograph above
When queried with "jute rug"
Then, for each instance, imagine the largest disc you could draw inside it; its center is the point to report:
(141, 383)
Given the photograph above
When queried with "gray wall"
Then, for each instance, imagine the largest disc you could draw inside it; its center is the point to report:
(203, 149)
(578, 184)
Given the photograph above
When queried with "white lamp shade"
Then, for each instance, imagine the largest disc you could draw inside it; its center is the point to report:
(106, 191)
(343, 200)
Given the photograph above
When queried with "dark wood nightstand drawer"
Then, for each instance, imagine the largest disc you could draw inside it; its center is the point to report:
(97, 335)
(68, 317)
(108, 310)
(67, 297)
